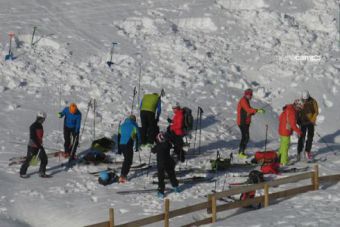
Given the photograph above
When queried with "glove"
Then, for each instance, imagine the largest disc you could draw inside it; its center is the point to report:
(59, 115)
(261, 111)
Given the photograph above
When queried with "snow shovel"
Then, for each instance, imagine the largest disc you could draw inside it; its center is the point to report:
(109, 63)
(10, 56)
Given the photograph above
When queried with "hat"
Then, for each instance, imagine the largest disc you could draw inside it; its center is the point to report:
(176, 105)
(133, 117)
(248, 92)
(73, 108)
(41, 114)
(305, 94)
(160, 138)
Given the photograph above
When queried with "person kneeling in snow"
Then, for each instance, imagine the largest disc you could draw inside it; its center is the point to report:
(287, 125)
(165, 163)
(127, 134)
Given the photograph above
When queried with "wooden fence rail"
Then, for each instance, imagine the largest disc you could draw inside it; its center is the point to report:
(212, 207)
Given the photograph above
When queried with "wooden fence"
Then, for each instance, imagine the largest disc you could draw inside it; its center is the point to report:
(212, 207)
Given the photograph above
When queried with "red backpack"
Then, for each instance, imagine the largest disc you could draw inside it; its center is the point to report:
(269, 161)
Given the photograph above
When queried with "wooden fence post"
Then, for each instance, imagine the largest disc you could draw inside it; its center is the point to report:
(213, 209)
(166, 212)
(112, 217)
(316, 177)
(209, 204)
(266, 195)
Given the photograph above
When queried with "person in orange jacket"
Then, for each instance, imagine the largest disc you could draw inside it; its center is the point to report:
(287, 124)
(244, 114)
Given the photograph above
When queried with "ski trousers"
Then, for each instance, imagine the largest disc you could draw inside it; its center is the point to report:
(245, 137)
(31, 152)
(309, 130)
(149, 127)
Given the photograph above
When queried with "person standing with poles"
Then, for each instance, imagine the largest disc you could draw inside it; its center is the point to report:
(72, 122)
(244, 114)
(306, 121)
(35, 147)
(287, 125)
(128, 135)
(150, 110)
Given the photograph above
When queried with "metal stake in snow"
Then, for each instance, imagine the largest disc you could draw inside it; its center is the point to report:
(10, 56)
(33, 33)
(109, 63)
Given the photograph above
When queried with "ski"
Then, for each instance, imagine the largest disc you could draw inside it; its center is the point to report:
(190, 180)
(139, 191)
(294, 169)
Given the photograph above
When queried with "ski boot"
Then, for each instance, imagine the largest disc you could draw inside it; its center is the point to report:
(160, 195)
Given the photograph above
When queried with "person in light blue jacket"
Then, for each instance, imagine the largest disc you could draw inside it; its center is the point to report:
(72, 121)
(128, 135)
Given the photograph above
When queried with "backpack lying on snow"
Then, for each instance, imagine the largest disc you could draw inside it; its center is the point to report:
(103, 144)
(219, 163)
(254, 177)
(269, 161)
(107, 177)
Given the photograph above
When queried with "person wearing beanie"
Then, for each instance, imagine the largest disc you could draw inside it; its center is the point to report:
(72, 122)
(244, 114)
(35, 147)
(307, 120)
(128, 135)
(287, 124)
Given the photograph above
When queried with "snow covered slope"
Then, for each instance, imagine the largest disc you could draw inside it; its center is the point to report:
(203, 53)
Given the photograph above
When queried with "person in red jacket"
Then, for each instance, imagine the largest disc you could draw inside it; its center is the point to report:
(177, 131)
(244, 114)
(287, 124)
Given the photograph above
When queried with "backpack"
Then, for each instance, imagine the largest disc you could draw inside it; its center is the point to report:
(254, 177)
(269, 161)
(219, 163)
(188, 119)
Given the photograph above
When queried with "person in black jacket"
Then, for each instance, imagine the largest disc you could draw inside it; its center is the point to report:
(35, 147)
(165, 163)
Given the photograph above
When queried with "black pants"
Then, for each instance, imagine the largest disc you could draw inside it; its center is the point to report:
(32, 151)
(69, 136)
(245, 137)
(127, 150)
(165, 164)
(309, 128)
(149, 127)
(178, 146)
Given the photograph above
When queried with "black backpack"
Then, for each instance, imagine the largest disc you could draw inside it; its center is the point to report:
(188, 119)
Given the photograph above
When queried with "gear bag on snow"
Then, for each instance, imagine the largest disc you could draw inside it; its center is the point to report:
(103, 144)
(219, 163)
(269, 161)
(107, 177)
(254, 177)
(188, 119)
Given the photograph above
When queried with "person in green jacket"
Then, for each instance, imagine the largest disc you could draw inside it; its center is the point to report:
(150, 110)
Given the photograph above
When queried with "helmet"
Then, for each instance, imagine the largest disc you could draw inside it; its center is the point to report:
(104, 175)
(176, 105)
(298, 103)
(41, 114)
(305, 94)
(73, 108)
(160, 138)
(249, 92)
(133, 117)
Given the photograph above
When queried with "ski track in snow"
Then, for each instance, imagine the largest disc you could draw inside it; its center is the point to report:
(203, 54)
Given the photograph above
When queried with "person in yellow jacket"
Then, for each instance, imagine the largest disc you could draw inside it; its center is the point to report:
(150, 110)
(306, 120)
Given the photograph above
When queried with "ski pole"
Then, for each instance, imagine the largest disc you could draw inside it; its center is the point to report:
(147, 171)
(87, 112)
(133, 99)
(216, 166)
(200, 135)
(139, 78)
(34, 29)
(265, 142)
(94, 119)
(109, 63)
(196, 126)
(73, 150)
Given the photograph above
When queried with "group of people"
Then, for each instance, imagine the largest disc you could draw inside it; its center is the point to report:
(300, 116)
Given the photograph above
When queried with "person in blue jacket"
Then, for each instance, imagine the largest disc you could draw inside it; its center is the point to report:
(72, 121)
(128, 135)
